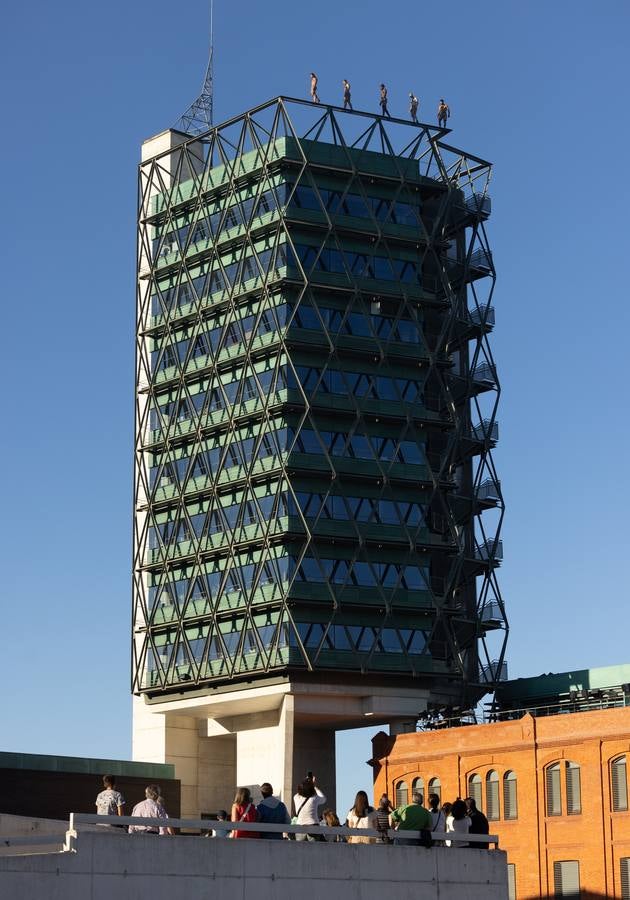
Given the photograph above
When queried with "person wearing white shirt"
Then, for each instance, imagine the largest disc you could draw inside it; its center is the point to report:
(307, 801)
(458, 822)
(362, 815)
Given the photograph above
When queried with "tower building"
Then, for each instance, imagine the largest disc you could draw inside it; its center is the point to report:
(317, 512)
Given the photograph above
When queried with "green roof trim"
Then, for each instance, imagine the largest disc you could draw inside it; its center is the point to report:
(84, 766)
(552, 684)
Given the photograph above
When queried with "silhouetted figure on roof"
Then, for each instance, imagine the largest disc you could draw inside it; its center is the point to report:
(413, 106)
(347, 104)
(314, 94)
(478, 823)
(443, 113)
(383, 102)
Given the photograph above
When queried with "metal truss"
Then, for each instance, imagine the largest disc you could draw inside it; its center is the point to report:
(198, 117)
(245, 233)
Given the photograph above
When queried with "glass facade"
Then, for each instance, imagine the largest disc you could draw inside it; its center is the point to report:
(306, 461)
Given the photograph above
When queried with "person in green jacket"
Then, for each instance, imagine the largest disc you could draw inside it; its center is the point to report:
(413, 817)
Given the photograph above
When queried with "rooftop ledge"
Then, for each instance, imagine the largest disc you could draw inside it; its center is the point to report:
(436, 131)
(359, 130)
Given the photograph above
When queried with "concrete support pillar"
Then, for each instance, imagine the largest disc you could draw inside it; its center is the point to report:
(264, 750)
(168, 738)
(314, 751)
(149, 733)
(217, 772)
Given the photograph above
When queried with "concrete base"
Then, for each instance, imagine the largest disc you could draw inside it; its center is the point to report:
(137, 867)
(274, 733)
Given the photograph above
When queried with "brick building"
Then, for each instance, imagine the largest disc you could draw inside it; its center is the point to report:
(550, 775)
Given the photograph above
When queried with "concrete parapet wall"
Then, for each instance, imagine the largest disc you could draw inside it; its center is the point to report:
(12, 826)
(24, 835)
(145, 866)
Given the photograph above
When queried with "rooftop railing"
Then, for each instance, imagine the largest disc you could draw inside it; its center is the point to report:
(201, 828)
(563, 705)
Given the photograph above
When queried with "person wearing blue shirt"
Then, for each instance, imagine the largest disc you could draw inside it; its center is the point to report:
(272, 810)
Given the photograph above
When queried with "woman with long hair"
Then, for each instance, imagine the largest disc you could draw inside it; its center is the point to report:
(307, 800)
(244, 810)
(362, 815)
(331, 820)
(458, 822)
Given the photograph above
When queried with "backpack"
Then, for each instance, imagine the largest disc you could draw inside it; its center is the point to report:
(108, 807)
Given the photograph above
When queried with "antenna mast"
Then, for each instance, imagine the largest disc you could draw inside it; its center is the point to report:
(198, 116)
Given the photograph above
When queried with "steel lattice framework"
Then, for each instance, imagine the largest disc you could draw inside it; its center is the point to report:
(316, 408)
(198, 117)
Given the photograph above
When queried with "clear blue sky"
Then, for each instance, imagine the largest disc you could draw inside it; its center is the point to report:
(539, 88)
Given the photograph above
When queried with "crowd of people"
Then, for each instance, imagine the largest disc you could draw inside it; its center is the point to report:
(460, 817)
(443, 110)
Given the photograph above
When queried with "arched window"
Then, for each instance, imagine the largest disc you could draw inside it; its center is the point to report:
(619, 783)
(435, 787)
(402, 794)
(510, 807)
(552, 789)
(572, 789)
(418, 785)
(474, 788)
(492, 795)
(574, 798)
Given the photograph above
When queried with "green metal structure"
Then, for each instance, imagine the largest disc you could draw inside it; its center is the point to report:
(316, 409)
(581, 690)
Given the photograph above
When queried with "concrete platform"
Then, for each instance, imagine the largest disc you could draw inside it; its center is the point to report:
(135, 867)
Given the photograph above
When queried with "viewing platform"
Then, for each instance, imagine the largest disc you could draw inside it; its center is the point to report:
(100, 861)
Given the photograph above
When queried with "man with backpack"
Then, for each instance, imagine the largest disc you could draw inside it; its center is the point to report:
(109, 802)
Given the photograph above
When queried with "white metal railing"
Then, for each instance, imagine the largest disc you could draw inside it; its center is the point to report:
(205, 825)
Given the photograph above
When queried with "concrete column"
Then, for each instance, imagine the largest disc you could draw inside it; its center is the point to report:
(264, 743)
(267, 746)
(217, 772)
(149, 733)
(168, 738)
(314, 751)
(182, 750)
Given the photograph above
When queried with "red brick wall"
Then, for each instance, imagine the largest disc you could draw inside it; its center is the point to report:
(598, 837)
